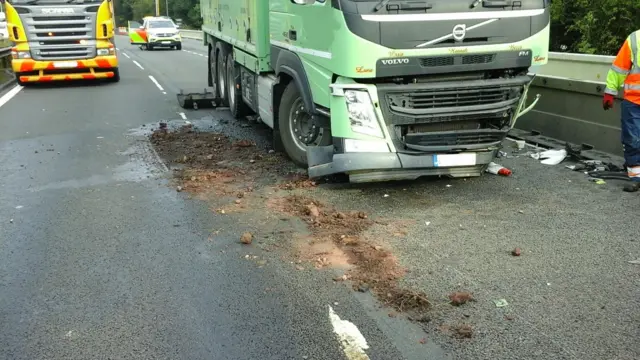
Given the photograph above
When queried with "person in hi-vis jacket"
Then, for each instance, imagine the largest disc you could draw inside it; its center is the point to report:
(625, 74)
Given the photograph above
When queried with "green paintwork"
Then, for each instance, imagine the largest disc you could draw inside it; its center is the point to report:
(324, 44)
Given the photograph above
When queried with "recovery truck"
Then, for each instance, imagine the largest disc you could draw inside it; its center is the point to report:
(61, 40)
(378, 89)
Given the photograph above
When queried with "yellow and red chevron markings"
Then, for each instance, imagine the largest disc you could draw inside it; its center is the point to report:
(43, 67)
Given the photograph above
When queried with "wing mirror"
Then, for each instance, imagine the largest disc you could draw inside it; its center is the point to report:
(141, 28)
(303, 2)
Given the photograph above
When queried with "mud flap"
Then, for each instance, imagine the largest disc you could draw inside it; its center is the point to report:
(197, 99)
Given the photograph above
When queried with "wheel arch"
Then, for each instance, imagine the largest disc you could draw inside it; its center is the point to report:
(288, 67)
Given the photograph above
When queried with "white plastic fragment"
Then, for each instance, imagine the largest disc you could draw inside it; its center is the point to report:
(550, 157)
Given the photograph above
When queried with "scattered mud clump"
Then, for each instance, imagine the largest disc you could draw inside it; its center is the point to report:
(463, 331)
(460, 298)
(370, 266)
(246, 238)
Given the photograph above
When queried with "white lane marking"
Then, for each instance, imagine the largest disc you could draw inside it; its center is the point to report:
(183, 115)
(138, 64)
(126, 55)
(10, 94)
(352, 341)
(157, 83)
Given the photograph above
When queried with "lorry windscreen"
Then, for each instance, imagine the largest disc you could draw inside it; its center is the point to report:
(52, 2)
(437, 6)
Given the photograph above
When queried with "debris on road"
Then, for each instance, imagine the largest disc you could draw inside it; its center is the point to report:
(246, 238)
(550, 157)
(634, 262)
(459, 298)
(339, 236)
(516, 252)
(497, 169)
(464, 331)
(501, 303)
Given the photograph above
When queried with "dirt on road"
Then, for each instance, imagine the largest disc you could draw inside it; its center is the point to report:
(237, 178)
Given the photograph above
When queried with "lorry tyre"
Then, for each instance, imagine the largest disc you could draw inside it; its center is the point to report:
(221, 84)
(237, 106)
(20, 82)
(298, 128)
(179, 47)
(149, 47)
(213, 70)
(116, 76)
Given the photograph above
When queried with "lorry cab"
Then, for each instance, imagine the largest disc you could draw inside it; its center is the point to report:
(379, 89)
(155, 32)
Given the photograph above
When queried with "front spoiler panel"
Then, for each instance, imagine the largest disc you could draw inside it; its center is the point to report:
(29, 70)
(369, 167)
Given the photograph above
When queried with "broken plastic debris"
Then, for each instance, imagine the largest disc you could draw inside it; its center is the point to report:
(386, 195)
(550, 157)
(634, 262)
(497, 169)
(597, 181)
(501, 303)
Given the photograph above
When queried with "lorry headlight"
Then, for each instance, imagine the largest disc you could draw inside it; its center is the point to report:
(20, 54)
(361, 114)
(105, 52)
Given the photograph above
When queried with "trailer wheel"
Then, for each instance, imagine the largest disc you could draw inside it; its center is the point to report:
(213, 71)
(222, 77)
(237, 106)
(298, 128)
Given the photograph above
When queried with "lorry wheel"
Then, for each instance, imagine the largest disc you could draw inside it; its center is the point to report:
(179, 47)
(116, 76)
(213, 73)
(222, 77)
(298, 128)
(150, 47)
(237, 106)
(20, 82)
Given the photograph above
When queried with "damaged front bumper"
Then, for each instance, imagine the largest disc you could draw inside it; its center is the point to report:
(408, 131)
(376, 166)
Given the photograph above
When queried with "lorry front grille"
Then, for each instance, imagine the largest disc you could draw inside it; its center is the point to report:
(436, 61)
(443, 98)
(436, 141)
(66, 34)
(52, 53)
(450, 115)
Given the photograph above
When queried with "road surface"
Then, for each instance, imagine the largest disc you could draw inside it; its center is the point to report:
(99, 259)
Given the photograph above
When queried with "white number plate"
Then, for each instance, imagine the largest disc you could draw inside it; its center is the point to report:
(449, 160)
(65, 64)
(166, 42)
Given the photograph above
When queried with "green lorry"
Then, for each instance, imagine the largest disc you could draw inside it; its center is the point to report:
(378, 89)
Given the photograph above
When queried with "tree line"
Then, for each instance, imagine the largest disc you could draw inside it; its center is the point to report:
(580, 26)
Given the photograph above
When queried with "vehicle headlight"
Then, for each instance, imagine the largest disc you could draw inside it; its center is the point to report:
(20, 54)
(361, 114)
(105, 52)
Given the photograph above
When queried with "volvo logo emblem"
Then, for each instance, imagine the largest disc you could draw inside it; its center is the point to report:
(459, 32)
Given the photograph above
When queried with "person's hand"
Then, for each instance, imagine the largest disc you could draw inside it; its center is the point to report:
(607, 101)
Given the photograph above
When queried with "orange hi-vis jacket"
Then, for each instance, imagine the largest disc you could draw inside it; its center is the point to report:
(625, 70)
